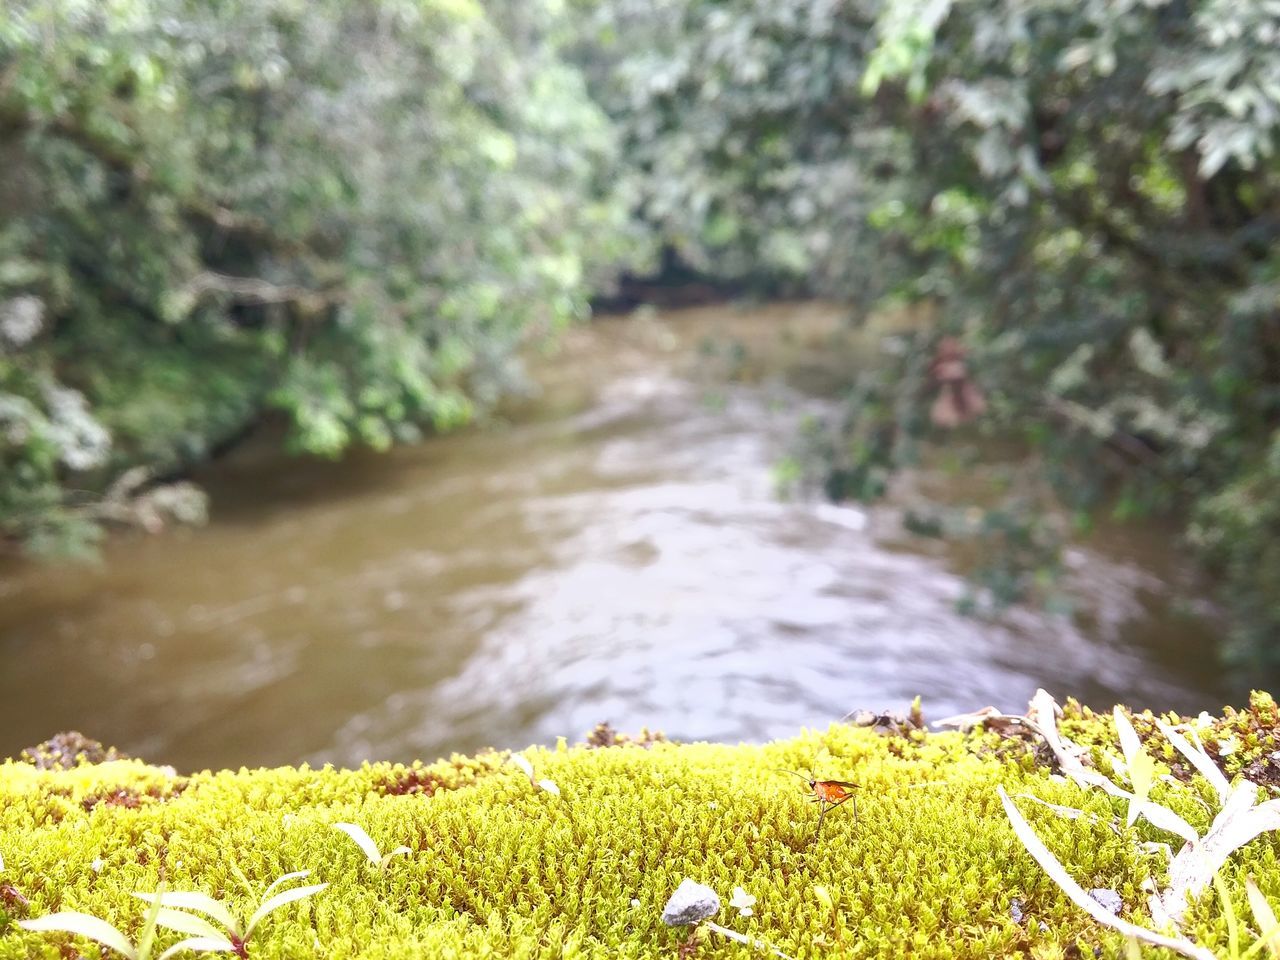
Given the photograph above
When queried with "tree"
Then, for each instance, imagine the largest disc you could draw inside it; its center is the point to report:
(346, 213)
(1087, 196)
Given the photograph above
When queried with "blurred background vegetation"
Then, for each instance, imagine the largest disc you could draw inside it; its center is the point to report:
(349, 216)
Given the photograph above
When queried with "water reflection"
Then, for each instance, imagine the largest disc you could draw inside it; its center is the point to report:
(614, 552)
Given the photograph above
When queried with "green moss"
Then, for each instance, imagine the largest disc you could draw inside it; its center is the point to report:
(929, 868)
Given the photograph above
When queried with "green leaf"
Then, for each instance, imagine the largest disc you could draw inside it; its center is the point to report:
(1229, 912)
(1142, 769)
(1265, 918)
(147, 938)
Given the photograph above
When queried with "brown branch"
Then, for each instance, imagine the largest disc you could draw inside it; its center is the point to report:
(253, 290)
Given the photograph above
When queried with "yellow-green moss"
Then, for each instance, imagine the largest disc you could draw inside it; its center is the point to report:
(930, 868)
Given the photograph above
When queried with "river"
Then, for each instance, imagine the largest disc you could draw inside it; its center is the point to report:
(609, 549)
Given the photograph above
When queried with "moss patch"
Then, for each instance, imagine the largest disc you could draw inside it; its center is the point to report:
(930, 868)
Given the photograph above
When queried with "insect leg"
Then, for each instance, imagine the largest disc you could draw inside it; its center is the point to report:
(822, 813)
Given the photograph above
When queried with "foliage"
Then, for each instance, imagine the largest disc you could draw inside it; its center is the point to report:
(345, 214)
(1085, 195)
(748, 145)
(931, 867)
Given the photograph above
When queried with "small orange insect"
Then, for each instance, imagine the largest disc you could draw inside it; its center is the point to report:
(828, 794)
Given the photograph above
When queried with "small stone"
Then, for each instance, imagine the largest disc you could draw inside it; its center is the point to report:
(691, 903)
(1109, 899)
(1017, 910)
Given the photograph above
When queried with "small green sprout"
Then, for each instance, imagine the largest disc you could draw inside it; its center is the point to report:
(521, 761)
(1263, 916)
(369, 848)
(94, 928)
(233, 937)
(1142, 769)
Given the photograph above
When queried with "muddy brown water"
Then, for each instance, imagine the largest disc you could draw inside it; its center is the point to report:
(611, 549)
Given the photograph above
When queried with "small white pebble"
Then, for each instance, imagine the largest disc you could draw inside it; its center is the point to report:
(713, 804)
(96, 866)
(635, 902)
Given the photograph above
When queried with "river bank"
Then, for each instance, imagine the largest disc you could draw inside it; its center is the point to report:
(611, 547)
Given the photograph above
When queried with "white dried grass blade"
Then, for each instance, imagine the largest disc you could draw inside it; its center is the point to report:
(1043, 716)
(1, 862)
(1077, 895)
(1166, 819)
(200, 945)
(362, 839)
(278, 901)
(1239, 822)
(1265, 918)
(188, 923)
(1199, 759)
(549, 786)
(747, 941)
(1070, 813)
(184, 900)
(84, 925)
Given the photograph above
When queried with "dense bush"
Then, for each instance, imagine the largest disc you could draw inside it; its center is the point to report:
(1088, 194)
(349, 213)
